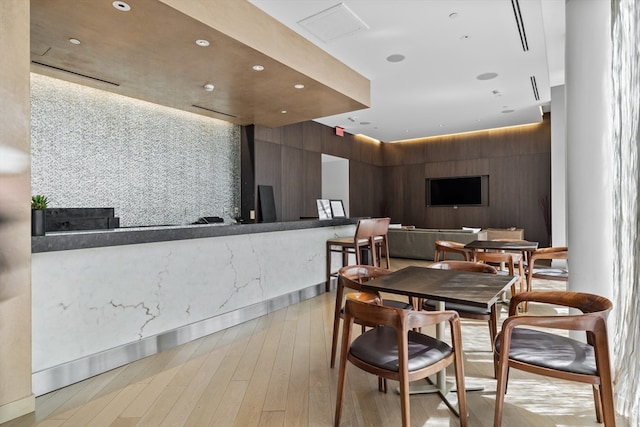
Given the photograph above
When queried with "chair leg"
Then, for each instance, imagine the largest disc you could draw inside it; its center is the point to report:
(336, 322)
(404, 402)
(501, 389)
(460, 389)
(340, 392)
(342, 375)
(597, 400)
(493, 331)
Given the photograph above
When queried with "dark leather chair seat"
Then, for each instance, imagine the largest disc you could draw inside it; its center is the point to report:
(551, 351)
(379, 347)
(431, 305)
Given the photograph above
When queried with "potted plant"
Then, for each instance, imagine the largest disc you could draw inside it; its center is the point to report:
(38, 205)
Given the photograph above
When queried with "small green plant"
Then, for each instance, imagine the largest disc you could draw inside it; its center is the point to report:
(39, 202)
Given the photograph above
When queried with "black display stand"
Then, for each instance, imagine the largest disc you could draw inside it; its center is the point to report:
(267, 204)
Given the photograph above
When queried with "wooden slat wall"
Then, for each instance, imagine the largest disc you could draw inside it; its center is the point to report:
(517, 160)
(389, 178)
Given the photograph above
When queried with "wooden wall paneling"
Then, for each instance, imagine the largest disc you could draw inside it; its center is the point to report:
(442, 149)
(292, 179)
(530, 209)
(412, 152)
(505, 192)
(373, 204)
(339, 146)
(413, 194)
(360, 189)
(538, 137)
(393, 193)
(392, 154)
(311, 183)
(268, 167)
(267, 134)
(312, 136)
(292, 135)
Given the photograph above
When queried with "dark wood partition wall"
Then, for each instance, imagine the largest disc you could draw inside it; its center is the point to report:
(517, 160)
(289, 159)
(389, 178)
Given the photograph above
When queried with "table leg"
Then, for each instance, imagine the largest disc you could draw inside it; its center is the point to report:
(447, 391)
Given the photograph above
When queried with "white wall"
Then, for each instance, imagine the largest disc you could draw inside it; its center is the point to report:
(335, 179)
(558, 167)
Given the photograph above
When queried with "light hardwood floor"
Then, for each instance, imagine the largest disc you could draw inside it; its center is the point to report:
(274, 371)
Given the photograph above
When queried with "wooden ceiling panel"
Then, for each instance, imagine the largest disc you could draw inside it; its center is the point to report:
(150, 53)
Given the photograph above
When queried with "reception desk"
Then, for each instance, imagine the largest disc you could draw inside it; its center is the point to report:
(106, 298)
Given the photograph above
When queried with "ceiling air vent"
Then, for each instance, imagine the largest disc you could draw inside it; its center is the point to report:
(75, 74)
(520, 24)
(213, 111)
(534, 86)
(333, 23)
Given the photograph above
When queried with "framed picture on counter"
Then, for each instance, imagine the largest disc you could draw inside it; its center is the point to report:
(324, 209)
(337, 209)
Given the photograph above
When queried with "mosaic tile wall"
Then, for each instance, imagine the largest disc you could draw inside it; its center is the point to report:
(155, 165)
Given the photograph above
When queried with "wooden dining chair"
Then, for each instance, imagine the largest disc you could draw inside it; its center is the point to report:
(351, 277)
(522, 345)
(547, 272)
(364, 241)
(380, 242)
(444, 246)
(513, 266)
(466, 311)
(394, 350)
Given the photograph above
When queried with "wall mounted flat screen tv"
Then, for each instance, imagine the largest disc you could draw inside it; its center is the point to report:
(455, 191)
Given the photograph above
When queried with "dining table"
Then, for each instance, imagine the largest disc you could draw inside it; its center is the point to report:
(524, 246)
(443, 286)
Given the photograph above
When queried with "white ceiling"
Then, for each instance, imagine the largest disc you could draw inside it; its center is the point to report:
(435, 90)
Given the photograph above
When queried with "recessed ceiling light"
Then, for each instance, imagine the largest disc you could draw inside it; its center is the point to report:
(299, 86)
(507, 111)
(396, 57)
(74, 41)
(120, 5)
(486, 76)
(453, 15)
(208, 87)
(284, 111)
(365, 123)
(202, 42)
(257, 68)
(465, 37)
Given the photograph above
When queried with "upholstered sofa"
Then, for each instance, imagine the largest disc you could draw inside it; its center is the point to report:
(419, 243)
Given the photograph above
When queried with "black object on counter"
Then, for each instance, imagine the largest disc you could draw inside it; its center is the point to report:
(209, 220)
(69, 219)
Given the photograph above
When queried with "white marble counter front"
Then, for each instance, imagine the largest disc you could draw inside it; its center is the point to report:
(107, 306)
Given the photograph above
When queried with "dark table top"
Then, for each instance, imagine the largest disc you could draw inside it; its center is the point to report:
(522, 245)
(462, 287)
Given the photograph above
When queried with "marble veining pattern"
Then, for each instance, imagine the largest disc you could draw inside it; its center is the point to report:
(153, 164)
(91, 300)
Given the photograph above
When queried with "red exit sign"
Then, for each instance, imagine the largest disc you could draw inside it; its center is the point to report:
(339, 131)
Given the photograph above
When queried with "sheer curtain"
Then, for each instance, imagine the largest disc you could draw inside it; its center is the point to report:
(625, 25)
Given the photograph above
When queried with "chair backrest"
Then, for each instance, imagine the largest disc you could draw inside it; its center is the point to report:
(585, 302)
(444, 246)
(508, 258)
(474, 267)
(365, 229)
(557, 252)
(352, 276)
(401, 320)
(381, 226)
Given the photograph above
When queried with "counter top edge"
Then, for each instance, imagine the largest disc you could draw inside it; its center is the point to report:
(63, 241)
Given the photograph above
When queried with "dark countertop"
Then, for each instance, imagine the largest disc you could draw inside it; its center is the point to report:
(62, 241)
